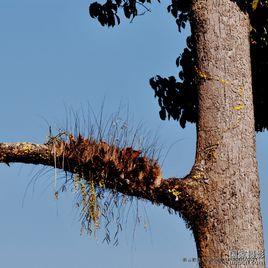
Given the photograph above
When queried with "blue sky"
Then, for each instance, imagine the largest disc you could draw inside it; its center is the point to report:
(52, 56)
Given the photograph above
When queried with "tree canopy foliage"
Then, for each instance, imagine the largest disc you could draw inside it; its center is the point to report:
(178, 98)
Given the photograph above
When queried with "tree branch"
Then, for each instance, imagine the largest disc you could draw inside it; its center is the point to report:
(121, 169)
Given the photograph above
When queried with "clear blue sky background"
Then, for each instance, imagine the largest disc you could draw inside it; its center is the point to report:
(51, 55)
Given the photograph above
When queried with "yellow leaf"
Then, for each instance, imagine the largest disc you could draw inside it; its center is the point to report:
(223, 81)
(239, 107)
(255, 4)
(201, 73)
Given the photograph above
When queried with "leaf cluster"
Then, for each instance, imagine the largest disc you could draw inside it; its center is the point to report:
(107, 13)
(259, 59)
(178, 99)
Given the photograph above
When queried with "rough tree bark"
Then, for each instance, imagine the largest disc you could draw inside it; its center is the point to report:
(219, 199)
(226, 153)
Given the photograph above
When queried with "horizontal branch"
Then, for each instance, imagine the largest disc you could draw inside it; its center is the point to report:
(124, 170)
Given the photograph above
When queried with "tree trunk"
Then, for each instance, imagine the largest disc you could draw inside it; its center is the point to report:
(226, 153)
(220, 198)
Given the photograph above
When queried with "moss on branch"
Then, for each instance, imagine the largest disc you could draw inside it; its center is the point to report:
(98, 166)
